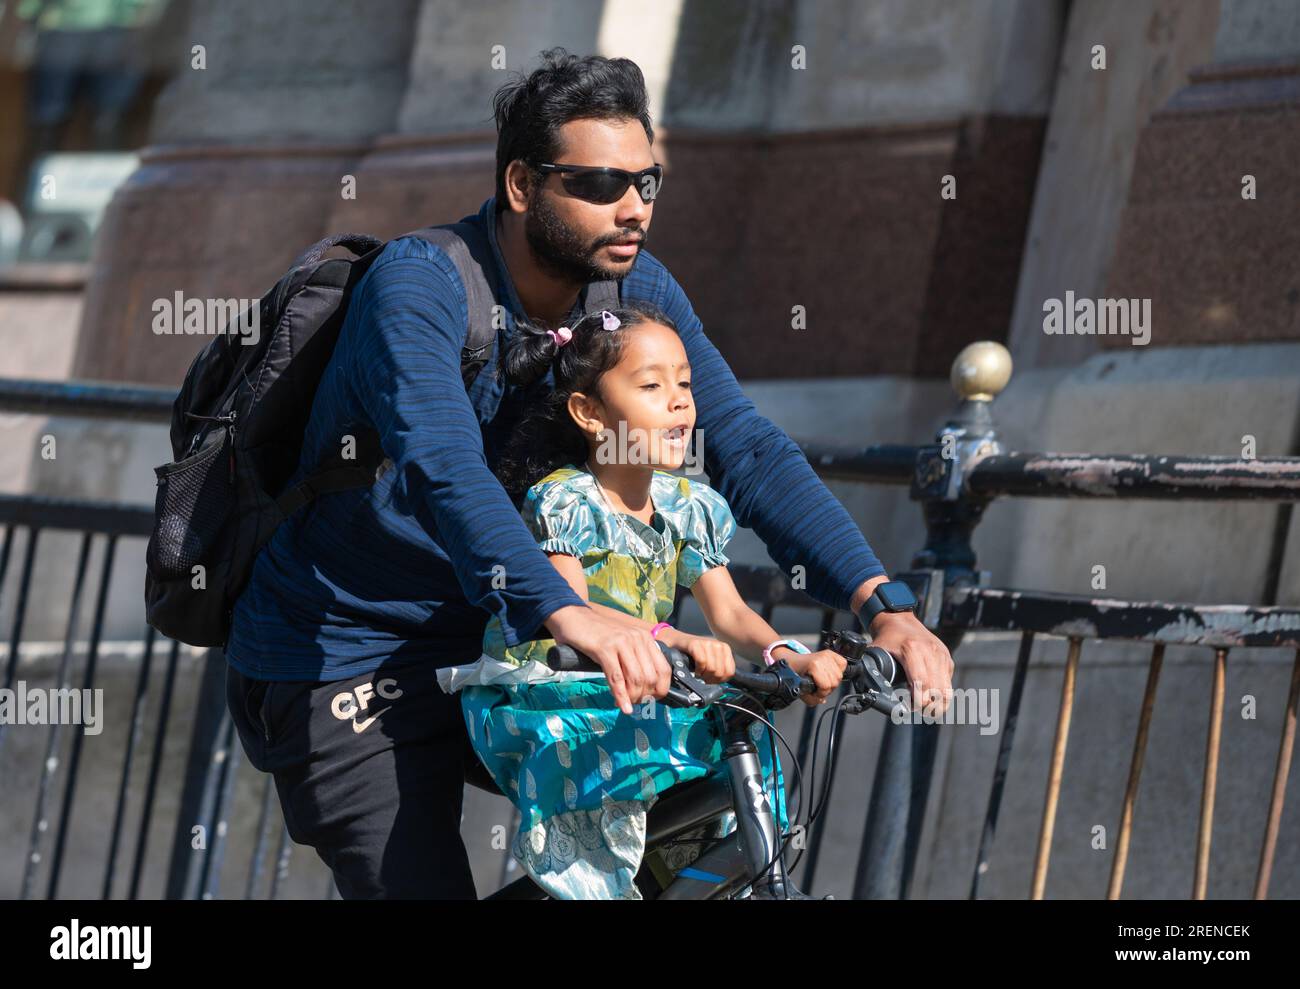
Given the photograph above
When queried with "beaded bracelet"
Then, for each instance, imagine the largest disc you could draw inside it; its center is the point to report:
(798, 647)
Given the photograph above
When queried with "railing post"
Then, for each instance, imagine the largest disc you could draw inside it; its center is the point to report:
(208, 752)
(896, 813)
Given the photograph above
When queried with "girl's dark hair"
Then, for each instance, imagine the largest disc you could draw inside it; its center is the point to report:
(546, 436)
(530, 109)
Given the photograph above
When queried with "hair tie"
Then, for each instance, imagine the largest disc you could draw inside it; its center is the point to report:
(608, 320)
(561, 336)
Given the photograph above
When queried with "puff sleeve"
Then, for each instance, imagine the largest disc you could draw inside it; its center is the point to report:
(560, 518)
(710, 526)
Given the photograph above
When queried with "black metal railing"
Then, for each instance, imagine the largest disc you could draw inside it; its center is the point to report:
(954, 480)
(206, 783)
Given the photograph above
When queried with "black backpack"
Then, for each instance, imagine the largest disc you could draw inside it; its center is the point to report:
(239, 419)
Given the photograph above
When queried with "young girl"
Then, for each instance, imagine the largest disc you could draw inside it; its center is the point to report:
(625, 533)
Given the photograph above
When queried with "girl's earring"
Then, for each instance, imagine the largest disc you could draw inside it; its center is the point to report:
(604, 439)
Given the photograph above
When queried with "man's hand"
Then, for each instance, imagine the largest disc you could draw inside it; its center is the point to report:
(925, 659)
(632, 663)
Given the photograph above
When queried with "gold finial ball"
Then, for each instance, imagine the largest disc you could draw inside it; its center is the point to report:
(981, 370)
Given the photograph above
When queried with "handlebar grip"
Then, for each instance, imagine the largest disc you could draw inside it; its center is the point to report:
(566, 659)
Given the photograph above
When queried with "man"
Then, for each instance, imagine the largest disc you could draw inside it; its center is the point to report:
(359, 599)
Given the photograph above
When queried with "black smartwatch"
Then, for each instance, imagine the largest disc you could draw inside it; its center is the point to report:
(893, 595)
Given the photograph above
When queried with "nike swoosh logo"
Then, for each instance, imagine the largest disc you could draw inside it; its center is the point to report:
(360, 726)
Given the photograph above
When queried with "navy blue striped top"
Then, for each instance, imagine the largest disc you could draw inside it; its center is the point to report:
(410, 569)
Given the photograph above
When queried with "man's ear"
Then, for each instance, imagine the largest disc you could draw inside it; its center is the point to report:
(519, 184)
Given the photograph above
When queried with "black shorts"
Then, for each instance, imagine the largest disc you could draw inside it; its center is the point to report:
(370, 773)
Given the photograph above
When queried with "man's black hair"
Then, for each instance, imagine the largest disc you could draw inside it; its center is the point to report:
(531, 109)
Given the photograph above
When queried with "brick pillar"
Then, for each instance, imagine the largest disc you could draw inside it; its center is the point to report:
(1217, 266)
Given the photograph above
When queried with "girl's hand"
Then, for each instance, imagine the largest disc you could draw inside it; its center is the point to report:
(825, 667)
(713, 659)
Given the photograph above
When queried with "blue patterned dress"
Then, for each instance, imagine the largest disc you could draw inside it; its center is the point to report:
(580, 771)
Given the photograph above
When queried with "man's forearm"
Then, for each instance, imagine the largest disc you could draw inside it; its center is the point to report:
(864, 591)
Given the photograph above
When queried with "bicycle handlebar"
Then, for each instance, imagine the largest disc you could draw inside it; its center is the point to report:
(871, 670)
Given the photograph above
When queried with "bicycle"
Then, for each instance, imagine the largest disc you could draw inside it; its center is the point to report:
(747, 863)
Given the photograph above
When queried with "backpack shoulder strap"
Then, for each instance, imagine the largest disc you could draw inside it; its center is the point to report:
(336, 477)
(470, 252)
(601, 295)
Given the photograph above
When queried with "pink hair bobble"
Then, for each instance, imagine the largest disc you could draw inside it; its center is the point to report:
(564, 334)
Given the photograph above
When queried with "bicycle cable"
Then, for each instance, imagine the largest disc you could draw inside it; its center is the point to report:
(794, 759)
(812, 776)
(783, 840)
(816, 741)
(837, 724)
(832, 755)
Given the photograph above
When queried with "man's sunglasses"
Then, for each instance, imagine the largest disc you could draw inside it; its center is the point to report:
(607, 185)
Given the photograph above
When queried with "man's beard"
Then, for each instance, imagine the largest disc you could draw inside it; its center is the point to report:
(559, 249)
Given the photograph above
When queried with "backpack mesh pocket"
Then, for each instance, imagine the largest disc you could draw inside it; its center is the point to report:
(193, 503)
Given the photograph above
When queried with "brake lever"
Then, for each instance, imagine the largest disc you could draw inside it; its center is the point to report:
(688, 690)
(873, 699)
